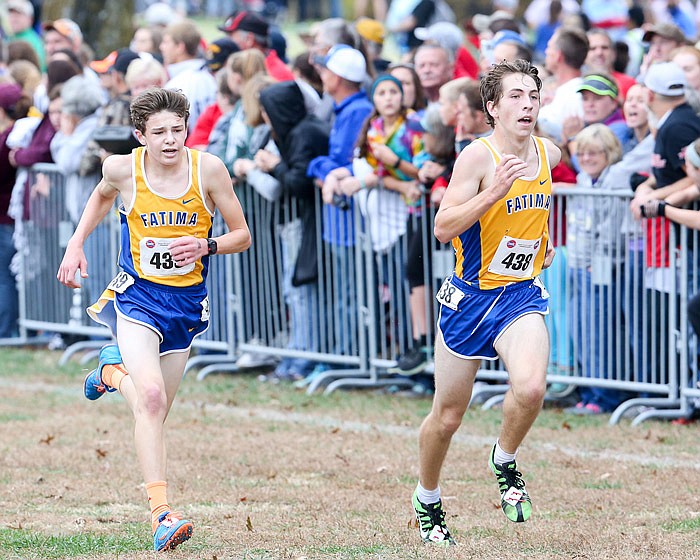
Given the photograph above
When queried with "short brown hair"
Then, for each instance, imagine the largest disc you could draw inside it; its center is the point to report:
(492, 82)
(472, 93)
(451, 90)
(186, 32)
(572, 42)
(156, 100)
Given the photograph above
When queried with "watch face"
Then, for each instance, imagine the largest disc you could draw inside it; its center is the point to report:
(212, 246)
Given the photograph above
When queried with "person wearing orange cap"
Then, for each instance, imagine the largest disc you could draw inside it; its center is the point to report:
(60, 34)
(101, 67)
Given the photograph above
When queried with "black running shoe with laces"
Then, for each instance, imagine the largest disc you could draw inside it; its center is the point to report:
(431, 522)
(515, 501)
(412, 362)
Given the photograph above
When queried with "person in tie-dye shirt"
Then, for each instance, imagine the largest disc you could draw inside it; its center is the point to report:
(386, 177)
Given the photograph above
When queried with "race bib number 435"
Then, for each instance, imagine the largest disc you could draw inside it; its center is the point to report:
(156, 259)
(515, 257)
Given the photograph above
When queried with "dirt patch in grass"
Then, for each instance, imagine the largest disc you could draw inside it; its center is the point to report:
(267, 472)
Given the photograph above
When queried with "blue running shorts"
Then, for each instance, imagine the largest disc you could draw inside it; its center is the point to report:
(176, 315)
(471, 320)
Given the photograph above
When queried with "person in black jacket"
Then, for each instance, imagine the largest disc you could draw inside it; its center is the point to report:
(300, 137)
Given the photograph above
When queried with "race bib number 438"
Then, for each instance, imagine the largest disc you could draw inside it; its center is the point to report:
(156, 259)
(449, 295)
(515, 257)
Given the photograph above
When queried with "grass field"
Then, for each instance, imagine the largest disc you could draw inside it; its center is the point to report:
(267, 472)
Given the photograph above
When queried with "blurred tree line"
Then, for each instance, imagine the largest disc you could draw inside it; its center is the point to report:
(106, 25)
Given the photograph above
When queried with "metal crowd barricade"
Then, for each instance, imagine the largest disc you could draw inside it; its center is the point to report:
(687, 340)
(608, 328)
(642, 310)
(45, 306)
(252, 288)
(638, 353)
(356, 315)
(613, 321)
(384, 233)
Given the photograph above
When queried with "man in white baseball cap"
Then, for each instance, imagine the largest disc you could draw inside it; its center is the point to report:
(345, 62)
(342, 71)
(666, 79)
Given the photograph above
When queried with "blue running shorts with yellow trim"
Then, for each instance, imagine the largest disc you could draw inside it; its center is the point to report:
(176, 314)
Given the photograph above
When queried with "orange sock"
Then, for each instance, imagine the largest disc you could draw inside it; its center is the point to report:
(157, 500)
(112, 375)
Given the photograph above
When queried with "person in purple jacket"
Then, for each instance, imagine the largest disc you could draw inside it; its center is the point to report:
(38, 150)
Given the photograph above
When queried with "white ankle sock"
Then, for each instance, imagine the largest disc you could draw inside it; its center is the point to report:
(428, 496)
(500, 457)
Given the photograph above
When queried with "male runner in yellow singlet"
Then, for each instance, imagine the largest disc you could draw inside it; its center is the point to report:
(495, 212)
(158, 302)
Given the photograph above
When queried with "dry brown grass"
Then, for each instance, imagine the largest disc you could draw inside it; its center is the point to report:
(268, 473)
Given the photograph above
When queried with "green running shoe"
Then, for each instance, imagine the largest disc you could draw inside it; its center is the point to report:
(431, 522)
(515, 502)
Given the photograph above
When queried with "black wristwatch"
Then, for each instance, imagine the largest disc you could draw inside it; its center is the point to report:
(211, 245)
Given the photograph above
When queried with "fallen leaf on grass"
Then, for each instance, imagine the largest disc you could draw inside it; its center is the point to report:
(248, 523)
(47, 440)
(342, 458)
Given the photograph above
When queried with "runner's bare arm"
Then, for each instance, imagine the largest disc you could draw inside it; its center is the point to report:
(554, 157)
(553, 153)
(114, 173)
(475, 186)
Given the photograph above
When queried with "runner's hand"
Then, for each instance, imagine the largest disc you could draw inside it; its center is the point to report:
(507, 171)
(548, 256)
(73, 261)
(186, 250)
